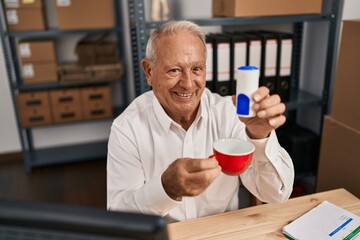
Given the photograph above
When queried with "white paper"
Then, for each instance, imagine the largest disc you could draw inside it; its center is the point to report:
(223, 62)
(240, 56)
(11, 3)
(12, 17)
(28, 71)
(24, 49)
(286, 54)
(255, 53)
(209, 62)
(326, 221)
(63, 3)
(270, 58)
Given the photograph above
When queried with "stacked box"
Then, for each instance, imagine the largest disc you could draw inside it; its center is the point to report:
(96, 49)
(24, 15)
(346, 103)
(339, 156)
(66, 105)
(85, 14)
(70, 73)
(258, 8)
(110, 72)
(37, 61)
(96, 102)
(34, 108)
(74, 73)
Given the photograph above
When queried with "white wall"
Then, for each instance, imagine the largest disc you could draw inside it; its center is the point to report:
(351, 9)
(67, 134)
(9, 138)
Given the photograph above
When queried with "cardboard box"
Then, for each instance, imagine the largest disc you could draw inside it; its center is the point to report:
(72, 73)
(36, 51)
(96, 49)
(34, 108)
(346, 103)
(96, 102)
(109, 72)
(339, 157)
(256, 8)
(34, 73)
(66, 105)
(85, 14)
(23, 3)
(25, 19)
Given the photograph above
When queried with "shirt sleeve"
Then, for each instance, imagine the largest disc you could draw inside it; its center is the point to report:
(127, 189)
(270, 177)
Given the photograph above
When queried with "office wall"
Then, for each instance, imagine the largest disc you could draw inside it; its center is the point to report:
(9, 140)
(9, 137)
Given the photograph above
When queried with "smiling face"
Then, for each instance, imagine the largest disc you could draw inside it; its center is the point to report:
(177, 75)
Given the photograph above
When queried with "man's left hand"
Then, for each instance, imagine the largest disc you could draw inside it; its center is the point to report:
(269, 114)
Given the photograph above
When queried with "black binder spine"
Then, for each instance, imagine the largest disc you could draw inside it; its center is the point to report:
(283, 86)
(209, 62)
(220, 43)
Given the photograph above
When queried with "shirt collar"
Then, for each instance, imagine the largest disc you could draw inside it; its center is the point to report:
(165, 121)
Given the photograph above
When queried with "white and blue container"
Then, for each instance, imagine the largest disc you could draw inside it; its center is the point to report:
(247, 83)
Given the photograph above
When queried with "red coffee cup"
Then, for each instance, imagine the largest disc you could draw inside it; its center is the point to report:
(234, 155)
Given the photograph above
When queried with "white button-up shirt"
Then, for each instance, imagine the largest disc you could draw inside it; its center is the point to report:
(144, 141)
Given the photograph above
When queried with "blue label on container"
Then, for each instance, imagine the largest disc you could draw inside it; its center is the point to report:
(243, 104)
(248, 68)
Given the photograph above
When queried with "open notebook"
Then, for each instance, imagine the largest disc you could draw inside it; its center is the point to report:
(325, 221)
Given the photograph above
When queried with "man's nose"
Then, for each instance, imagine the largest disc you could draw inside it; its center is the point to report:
(186, 80)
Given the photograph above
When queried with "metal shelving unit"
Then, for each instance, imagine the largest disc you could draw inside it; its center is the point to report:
(62, 154)
(331, 13)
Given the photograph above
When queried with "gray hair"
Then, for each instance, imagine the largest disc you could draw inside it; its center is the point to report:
(171, 28)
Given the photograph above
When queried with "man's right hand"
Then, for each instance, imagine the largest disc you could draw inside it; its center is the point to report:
(189, 176)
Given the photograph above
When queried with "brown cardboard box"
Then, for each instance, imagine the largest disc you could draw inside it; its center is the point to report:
(34, 73)
(22, 3)
(255, 8)
(70, 73)
(36, 51)
(66, 105)
(346, 103)
(339, 157)
(85, 14)
(73, 73)
(108, 72)
(96, 49)
(25, 19)
(96, 102)
(34, 108)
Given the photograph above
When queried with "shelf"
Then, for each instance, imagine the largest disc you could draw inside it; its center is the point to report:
(59, 85)
(117, 110)
(65, 154)
(51, 33)
(252, 20)
(300, 98)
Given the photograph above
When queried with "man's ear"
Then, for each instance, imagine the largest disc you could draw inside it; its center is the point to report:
(147, 70)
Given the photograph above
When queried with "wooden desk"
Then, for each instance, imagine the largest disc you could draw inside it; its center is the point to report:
(259, 222)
